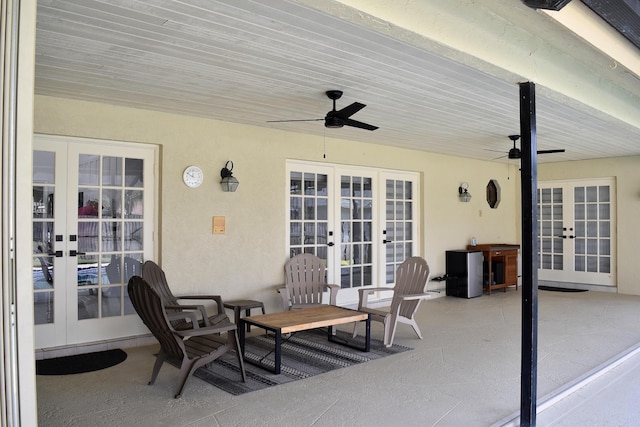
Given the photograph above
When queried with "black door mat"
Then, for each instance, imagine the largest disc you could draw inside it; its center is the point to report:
(80, 363)
(555, 289)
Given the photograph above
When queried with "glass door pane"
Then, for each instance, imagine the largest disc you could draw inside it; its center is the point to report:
(308, 214)
(110, 233)
(592, 219)
(356, 231)
(43, 236)
(551, 228)
(399, 233)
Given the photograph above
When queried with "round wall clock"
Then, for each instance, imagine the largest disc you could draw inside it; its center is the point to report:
(193, 176)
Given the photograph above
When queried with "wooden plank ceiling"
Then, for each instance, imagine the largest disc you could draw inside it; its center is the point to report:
(252, 62)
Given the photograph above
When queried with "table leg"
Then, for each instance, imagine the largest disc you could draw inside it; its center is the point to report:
(236, 316)
(278, 351)
(367, 339)
(247, 313)
(241, 337)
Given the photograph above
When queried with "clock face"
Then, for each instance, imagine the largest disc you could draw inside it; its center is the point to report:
(193, 176)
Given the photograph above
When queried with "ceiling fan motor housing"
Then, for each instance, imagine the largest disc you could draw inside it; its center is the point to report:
(333, 122)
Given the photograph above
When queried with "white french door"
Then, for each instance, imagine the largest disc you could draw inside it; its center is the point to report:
(400, 222)
(93, 225)
(577, 231)
(360, 221)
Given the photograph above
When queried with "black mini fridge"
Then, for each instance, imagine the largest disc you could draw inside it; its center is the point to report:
(464, 273)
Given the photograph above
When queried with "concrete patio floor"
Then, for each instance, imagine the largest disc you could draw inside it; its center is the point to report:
(464, 372)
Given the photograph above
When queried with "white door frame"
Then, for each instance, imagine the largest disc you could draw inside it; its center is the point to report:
(582, 231)
(380, 261)
(66, 328)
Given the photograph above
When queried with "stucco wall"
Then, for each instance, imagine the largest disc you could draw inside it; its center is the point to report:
(247, 261)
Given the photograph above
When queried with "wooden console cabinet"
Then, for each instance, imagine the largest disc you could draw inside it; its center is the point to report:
(501, 252)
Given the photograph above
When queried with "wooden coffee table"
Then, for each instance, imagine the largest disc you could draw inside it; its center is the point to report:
(301, 320)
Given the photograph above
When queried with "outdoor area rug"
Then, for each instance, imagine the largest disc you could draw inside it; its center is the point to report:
(79, 363)
(304, 354)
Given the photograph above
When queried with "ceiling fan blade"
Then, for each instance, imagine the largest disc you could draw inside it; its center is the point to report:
(561, 150)
(301, 120)
(357, 124)
(349, 110)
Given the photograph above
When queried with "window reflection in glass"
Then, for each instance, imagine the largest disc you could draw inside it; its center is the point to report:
(89, 205)
(112, 171)
(295, 183)
(309, 208)
(43, 200)
(44, 167)
(309, 184)
(133, 236)
(111, 299)
(88, 232)
(111, 236)
(87, 304)
(43, 307)
(133, 170)
(112, 203)
(89, 169)
(134, 207)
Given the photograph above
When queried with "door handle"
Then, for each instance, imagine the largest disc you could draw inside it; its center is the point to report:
(56, 254)
(73, 252)
(387, 241)
(330, 244)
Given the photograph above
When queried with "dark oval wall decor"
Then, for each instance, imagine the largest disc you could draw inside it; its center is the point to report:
(493, 194)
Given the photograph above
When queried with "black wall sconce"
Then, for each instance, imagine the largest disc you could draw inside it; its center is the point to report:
(229, 183)
(463, 192)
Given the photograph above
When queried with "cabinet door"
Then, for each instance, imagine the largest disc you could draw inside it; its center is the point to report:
(511, 267)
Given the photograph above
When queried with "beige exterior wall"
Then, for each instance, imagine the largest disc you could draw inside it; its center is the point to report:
(247, 261)
(626, 172)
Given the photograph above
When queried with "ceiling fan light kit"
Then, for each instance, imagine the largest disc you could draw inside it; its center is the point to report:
(333, 122)
(515, 152)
